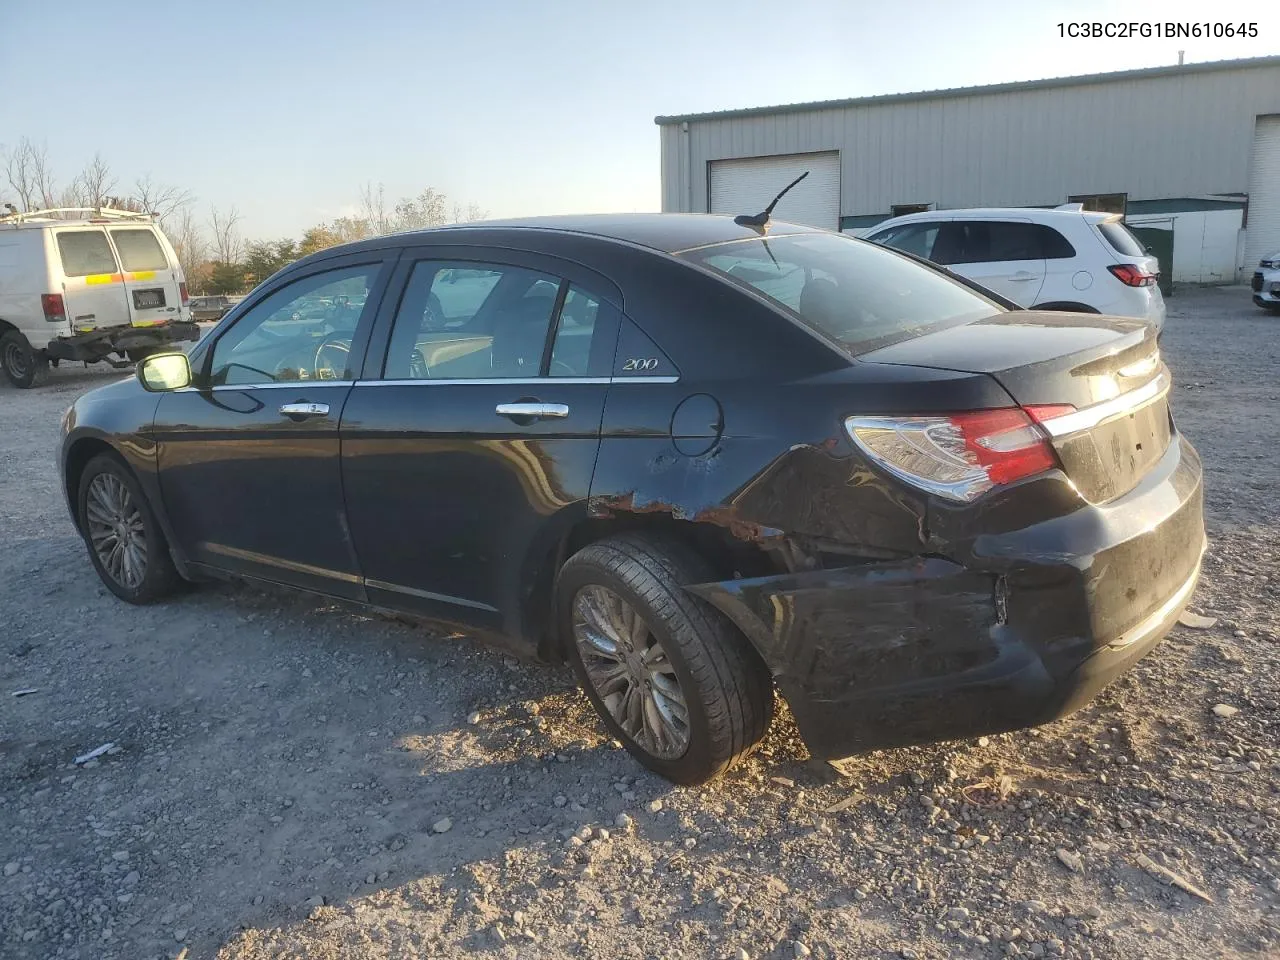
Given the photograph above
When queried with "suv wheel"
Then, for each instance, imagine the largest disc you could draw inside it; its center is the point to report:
(669, 675)
(125, 542)
(23, 366)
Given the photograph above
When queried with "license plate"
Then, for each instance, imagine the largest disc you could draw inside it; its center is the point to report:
(148, 299)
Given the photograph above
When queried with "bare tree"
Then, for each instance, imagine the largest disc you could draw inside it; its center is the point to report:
(189, 244)
(26, 168)
(95, 182)
(160, 199)
(228, 247)
(472, 213)
(373, 209)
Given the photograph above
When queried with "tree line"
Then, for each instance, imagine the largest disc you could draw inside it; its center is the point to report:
(213, 253)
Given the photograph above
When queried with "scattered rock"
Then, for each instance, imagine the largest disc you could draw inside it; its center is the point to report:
(12, 867)
(653, 806)
(1225, 710)
(801, 949)
(1072, 861)
(1195, 621)
(958, 913)
(443, 825)
(473, 717)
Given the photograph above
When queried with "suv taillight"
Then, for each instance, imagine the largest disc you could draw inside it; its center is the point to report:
(55, 311)
(960, 456)
(182, 293)
(1132, 276)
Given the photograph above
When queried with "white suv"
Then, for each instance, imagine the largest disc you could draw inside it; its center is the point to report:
(1266, 282)
(1061, 259)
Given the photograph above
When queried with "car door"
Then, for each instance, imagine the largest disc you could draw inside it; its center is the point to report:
(1001, 254)
(249, 455)
(469, 449)
(92, 286)
(150, 280)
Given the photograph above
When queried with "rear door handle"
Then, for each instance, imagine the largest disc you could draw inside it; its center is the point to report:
(302, 411)
(533, 411)
(1022, 276)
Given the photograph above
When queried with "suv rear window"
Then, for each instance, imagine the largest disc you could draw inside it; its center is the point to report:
(85, 252)
(860, 295)
(139, 250)
(1121, 240)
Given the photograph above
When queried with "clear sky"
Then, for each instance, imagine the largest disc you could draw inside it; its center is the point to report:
(286, 108)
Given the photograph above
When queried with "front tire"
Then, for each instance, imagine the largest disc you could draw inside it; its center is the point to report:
(669, 675)
(126, 545)
(24, 366)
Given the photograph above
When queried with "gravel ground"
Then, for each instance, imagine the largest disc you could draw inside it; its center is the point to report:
(289, 778)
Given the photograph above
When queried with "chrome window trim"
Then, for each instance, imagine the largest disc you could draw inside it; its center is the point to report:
(275, 385)
(510, 381)
(1119, 406)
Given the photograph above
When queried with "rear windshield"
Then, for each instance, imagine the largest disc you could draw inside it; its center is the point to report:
(139, 250)
(856, 293)
(1121, 240)
(85, 252)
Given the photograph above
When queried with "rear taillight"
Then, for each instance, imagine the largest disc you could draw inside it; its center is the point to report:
(182, 292)
(960, 456)
(1132, 276)
(55, 310)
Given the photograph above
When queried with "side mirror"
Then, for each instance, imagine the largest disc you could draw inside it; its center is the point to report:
(164, 371)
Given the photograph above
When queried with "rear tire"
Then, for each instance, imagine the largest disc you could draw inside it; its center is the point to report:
(126, 545)
(675, 654)
(24, 366)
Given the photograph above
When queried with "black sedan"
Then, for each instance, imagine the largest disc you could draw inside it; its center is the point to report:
(698, 458)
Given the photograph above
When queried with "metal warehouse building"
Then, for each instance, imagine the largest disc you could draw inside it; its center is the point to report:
(1193, 150)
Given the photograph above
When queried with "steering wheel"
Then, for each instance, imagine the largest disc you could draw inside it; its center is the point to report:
(339, 349)
(564, 369)
(433, 317)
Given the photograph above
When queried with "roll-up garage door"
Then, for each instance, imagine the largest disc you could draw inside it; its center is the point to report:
(747, 186)
(1262, 232)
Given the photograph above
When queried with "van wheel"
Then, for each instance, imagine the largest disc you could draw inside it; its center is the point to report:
(23, 366)
(669, 675)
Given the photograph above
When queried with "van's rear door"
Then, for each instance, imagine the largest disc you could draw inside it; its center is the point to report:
(150, 279)
(92, 286)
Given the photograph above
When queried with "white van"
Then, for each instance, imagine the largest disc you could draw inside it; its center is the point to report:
(85, 289)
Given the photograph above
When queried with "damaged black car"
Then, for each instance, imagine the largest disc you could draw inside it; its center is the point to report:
(701, 459)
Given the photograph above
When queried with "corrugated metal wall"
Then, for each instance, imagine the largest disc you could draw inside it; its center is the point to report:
(1169, 135)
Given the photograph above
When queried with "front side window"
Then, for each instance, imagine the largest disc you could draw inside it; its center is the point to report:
(915, 238)
(855, 293)
(139, 250)
(467, 321)
(86, 253)
(303, 331)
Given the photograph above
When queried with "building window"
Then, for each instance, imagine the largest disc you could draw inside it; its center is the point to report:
(1101, 202)
(902, 209)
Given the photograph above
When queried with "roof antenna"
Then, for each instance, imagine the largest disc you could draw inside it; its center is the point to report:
(762, 219)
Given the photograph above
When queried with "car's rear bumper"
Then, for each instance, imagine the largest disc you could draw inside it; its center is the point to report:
(99, 344)
(1025, 628)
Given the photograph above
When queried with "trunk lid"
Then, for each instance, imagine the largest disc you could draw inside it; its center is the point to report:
(1107, 368)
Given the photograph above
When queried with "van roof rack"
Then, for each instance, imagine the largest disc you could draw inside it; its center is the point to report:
(57, 213)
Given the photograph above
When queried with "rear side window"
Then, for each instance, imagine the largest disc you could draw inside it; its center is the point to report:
(1121, 240)
(86, 252)
(1053, 245)
(857, 294)
(139, 250)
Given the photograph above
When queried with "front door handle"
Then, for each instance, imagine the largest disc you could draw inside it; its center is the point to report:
(532, 411)
(1022, 277)
(301, 411)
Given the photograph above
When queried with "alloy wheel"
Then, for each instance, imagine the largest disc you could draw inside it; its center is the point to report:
(630, 671)
(116, 530)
